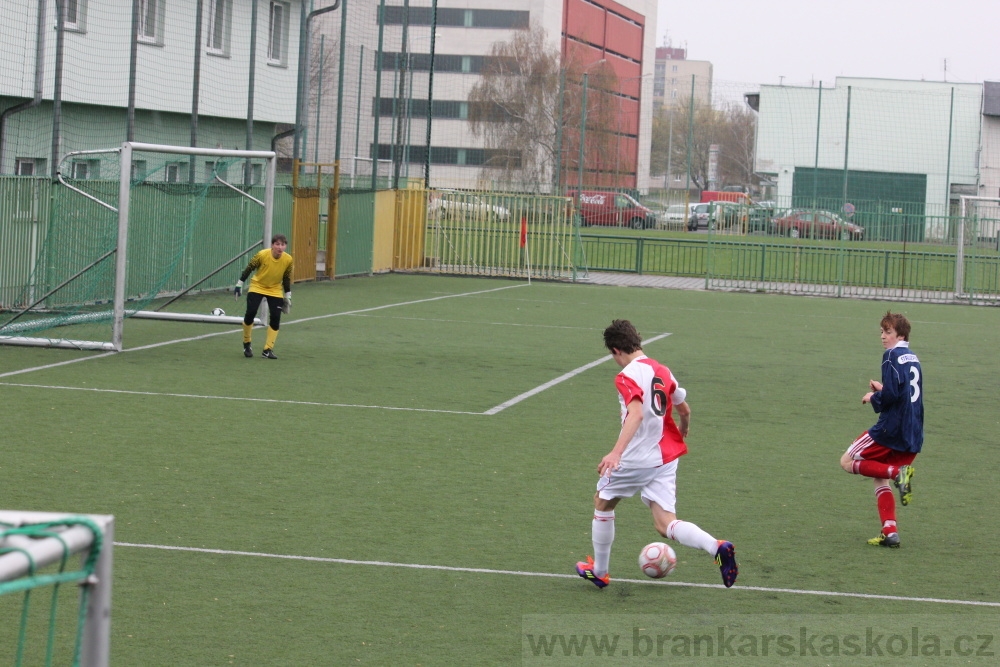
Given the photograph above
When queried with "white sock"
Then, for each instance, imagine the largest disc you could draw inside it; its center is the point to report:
(602, 531)
(692, 536)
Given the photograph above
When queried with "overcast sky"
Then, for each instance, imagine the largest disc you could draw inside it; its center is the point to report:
(807, 41)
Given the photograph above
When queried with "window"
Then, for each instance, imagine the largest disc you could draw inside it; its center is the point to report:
(75, 15)
(138, 171)
(84, 169)
(175, 172)
(277, 36)
(462, 18)
(220, 15)
(256, 174)
(673, 68)
(151, 21)
(28, 166)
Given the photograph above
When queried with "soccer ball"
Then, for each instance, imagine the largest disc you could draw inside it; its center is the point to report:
(218, 312)
(657, 560)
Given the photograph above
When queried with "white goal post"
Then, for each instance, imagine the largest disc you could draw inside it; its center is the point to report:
(32, 541)
(18, 333)
(967, 202)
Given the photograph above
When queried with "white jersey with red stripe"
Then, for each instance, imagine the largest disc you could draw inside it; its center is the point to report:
(658, 439)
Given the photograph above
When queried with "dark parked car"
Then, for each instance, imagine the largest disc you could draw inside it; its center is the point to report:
(804, 223)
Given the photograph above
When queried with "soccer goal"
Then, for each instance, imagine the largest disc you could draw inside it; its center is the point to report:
(977, 241)
(57, 610)
(134, 228)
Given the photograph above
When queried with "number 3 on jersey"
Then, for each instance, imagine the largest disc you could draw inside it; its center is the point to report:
(914, 382)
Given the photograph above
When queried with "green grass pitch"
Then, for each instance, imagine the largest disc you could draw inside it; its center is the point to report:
(182, 457)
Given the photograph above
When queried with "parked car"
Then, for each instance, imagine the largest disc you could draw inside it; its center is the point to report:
(761, 215)
(699, 216)
(461, 204)
(805, 223)
(614, 209)
(675, 214)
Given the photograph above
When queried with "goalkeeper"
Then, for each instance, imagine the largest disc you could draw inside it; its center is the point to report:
(272, 280)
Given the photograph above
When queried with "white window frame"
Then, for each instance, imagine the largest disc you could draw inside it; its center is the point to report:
(84, 170)
(26, 166)
(277, 54)
(75, 15)
(174, 172)
(157, 10)
(219, 29)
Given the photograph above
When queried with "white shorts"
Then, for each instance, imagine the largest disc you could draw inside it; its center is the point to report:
(655, 484)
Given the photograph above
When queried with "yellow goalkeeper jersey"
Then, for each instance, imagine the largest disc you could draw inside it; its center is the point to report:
(272, 277)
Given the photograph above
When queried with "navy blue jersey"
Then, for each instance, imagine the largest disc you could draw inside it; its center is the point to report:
(900, 404)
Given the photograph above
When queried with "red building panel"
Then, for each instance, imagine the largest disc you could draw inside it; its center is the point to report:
(584, 21)
(623, 37)
(628, 73)
(592, 30)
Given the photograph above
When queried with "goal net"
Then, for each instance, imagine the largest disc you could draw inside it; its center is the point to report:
(133, 228)
(55, 588)
(978, 246)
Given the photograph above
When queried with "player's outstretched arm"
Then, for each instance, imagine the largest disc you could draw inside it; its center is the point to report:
(684, 418)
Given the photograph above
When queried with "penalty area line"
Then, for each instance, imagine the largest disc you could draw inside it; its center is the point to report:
(235, 398)
(562, 378)
(232, 331)
(552, 575)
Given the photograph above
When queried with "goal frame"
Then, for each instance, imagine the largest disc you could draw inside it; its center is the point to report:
(960, 241)
(29, 555)
(120, 250)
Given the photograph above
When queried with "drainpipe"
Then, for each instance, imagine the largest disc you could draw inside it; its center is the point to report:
(39, 76)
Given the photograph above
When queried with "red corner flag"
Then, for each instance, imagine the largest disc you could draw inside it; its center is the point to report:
(524, 230)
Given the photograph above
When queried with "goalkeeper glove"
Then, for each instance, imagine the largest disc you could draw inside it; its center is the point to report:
(238, 289)
(286, 306)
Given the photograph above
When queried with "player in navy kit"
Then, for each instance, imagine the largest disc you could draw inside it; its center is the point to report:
(644, 458)
(886, 451)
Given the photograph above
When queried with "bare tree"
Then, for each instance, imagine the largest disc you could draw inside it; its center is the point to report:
(527, 106)
(732, 128)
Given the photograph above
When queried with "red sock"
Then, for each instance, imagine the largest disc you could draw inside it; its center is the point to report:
(875, 469)
(886, 508)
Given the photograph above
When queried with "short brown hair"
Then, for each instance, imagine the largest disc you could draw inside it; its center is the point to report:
(279, 237)
(622, 336)
(898, 323)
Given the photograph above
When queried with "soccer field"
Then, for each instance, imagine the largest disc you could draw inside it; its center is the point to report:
(411, 482)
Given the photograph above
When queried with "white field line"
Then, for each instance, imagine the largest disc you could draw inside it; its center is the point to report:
(492, 411)
(552, 575)
(562, 378)
(234, 398)
(224, 333)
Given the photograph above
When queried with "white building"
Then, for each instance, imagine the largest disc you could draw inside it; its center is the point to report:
(94, 82)
(907, 147)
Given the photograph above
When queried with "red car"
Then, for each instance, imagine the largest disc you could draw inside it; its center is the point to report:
(808, 224)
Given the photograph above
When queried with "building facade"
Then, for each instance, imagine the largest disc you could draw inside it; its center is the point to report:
(593, 32)
(191, 84)
(885, 147)
(675, 78)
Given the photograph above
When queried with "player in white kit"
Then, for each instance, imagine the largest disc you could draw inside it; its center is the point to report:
(644, 458)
